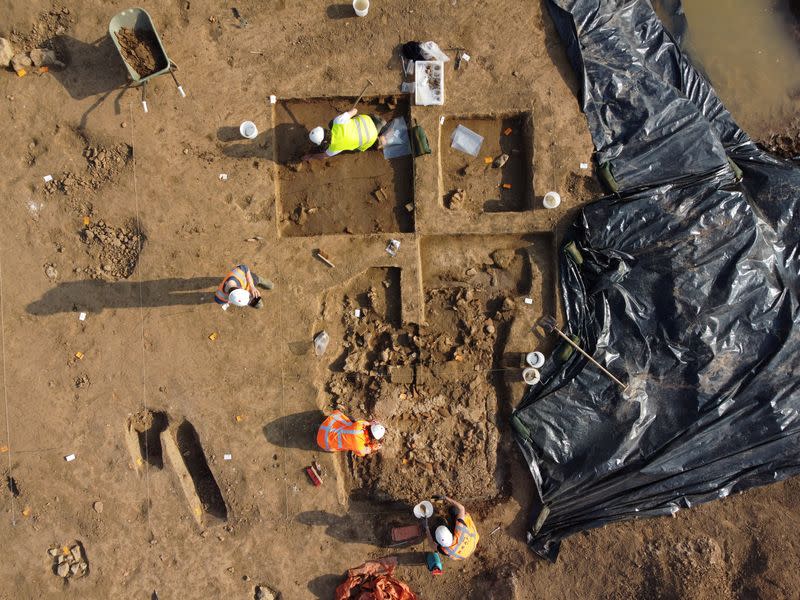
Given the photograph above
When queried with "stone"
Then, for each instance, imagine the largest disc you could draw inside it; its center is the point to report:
(401, 375)
(503, 258)
(98, 507)
(6, 52)
(74, 569)
(20, 62)
(41, 57)
(53, 552)
(63, 570)
(76, 553)
(264, 592)
(500, 161)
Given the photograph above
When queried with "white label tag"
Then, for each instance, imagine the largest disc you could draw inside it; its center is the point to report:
(82, 317)
(528, 300)
(69, 457)
(273, 99)
(227, 456)
(47, 178)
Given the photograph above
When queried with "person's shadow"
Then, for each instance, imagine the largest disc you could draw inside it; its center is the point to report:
(93, 296)
(350, 529)
(295, 431)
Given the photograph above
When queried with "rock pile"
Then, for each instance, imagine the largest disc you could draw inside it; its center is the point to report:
(116, 250)
(69, 561)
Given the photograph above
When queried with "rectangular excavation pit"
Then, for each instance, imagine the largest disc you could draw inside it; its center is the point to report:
(143, 438)
(470, 183)
(184, 453)
(351, 193)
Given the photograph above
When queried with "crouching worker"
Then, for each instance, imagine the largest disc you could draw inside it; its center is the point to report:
(457, 542)
(339, 434)
(348, 131)
(239, 288)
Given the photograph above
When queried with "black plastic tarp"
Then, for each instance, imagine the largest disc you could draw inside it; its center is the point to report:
(687, 290)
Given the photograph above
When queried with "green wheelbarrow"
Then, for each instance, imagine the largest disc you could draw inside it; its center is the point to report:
(141, 49)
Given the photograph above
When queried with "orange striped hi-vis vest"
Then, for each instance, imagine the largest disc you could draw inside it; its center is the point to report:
(239, 276)
(465, 539)
(338, 434)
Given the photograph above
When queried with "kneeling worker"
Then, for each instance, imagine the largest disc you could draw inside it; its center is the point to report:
(339, 434)
(239, 288)
(459, 542)
(348, 131)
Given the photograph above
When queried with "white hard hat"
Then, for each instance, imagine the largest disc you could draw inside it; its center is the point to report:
(317, 135)
(444, 537)
(239, 297)
(377, 430)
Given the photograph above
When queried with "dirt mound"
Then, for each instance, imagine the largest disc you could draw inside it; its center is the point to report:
(115, 251)
(50, 24)
(141, 51)
(103, 165)
(785, 143)
(431, 387)
(688, 568)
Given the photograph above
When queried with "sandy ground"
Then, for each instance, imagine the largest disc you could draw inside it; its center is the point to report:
(137, 228)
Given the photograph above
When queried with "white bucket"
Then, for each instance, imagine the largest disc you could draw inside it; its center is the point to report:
(248, 130)
(423, 510)
(531, 376)
(361, 7)
(535, 359)
(551, 200)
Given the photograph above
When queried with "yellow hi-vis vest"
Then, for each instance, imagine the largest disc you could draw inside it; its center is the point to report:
(465, 538)
(359, 133)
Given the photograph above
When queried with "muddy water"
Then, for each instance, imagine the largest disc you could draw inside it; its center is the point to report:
(750, 49)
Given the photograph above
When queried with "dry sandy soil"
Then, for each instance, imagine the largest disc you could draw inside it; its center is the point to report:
(137, 228)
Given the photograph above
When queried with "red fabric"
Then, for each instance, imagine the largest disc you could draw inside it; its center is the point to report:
(374, 580)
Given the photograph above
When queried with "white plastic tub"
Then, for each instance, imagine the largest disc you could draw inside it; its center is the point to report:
(429, 78)
(466, 140)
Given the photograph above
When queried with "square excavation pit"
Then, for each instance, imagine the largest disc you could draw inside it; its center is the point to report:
(470, 183)
(434, 385)
(339, 194)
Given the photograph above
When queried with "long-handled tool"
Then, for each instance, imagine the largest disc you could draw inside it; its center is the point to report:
(361, 95)
(548, 324)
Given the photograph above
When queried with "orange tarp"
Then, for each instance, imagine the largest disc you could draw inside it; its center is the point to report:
(374, 580)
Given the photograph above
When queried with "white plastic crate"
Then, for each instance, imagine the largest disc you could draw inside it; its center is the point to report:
(429, 78)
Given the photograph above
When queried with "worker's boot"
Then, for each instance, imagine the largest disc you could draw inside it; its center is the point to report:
(257, 303)
(265, 284)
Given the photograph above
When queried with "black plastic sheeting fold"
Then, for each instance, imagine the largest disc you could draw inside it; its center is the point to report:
(687, 291)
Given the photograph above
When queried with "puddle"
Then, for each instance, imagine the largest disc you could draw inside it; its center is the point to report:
(751, 52)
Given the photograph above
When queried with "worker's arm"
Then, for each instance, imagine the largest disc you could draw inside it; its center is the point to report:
(352, 112)
(251, 286)
(459, 507)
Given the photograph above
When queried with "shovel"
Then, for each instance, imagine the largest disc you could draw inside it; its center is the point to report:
(361, 95)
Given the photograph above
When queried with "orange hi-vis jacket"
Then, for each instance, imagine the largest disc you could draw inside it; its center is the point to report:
(465, 539)
(338, 434)
(239, 277)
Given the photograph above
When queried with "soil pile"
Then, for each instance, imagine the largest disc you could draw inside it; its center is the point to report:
(114, 250)
(141, 51)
